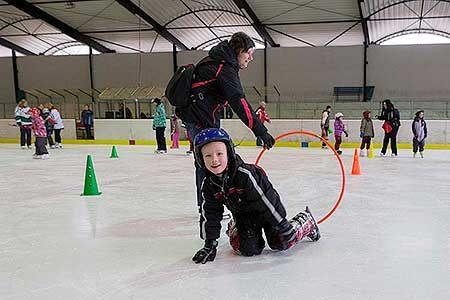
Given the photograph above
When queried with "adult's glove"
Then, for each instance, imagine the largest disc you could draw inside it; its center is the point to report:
(207, 253)
(346, 133)
(286, 233)
(268, 140)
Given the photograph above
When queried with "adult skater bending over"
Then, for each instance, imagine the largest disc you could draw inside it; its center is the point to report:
(247, 192)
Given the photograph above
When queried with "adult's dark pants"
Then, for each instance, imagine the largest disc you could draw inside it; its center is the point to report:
(88, 130)
(160, 138)
(393, 137)
(58, 135)
(199, 172)
(49, 137)
(40, 145)
(25, 136)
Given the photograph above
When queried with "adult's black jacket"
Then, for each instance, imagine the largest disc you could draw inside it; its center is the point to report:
(391, 116)
(221, 69)
(245, 190)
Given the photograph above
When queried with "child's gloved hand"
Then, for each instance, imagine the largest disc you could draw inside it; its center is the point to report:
(286, 232)
(330, 131)
(207, 253)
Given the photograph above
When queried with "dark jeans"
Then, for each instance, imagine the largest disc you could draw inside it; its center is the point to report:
(393, 137)
(199, 172)
(40, 145)
(88, 130)
(25, 136)
(58, 135)
(49, 137)
(418, 145)
(160, 138)
(365, 142)
(324, 135)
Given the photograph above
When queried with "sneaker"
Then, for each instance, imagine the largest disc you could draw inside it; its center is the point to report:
(23, 147)
(45, 156)
(315, 234)
(421, 154)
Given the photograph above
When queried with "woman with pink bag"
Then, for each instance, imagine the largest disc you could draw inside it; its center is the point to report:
(391, 124)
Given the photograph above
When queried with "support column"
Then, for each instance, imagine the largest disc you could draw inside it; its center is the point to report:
(265, 71)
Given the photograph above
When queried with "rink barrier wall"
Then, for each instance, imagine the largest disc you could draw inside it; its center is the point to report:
(121, 131)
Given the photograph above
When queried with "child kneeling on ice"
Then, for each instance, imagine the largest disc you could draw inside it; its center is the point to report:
(247, 192)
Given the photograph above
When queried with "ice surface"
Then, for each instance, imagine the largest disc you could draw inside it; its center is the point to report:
(389, 239)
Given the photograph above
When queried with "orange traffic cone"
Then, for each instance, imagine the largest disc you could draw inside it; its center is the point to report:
(355, 168)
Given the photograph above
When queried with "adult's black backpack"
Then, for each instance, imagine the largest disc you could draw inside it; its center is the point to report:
(178, 90)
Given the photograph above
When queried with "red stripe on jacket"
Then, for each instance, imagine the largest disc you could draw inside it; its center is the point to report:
(248, 113)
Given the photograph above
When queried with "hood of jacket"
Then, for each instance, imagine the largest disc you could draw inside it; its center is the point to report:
(223, 51)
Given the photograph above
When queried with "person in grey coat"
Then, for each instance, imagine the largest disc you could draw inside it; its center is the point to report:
(366, 133)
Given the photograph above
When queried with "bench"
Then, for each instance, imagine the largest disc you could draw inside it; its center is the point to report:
(352, 93)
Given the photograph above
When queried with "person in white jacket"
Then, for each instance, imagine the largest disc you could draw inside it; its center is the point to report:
(58, 126)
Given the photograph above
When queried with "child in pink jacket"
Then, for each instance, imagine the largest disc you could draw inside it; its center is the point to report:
(40, 133)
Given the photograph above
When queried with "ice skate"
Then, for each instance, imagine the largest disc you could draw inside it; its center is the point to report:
(305, 225)
(339, 152)
(315, 234)
(361, 153)
(421, 154)
(414, 154)
(45, 156)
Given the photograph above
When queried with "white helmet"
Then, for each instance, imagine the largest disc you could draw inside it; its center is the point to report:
(338, 115)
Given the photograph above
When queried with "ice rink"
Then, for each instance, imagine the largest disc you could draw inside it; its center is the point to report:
(389, 238)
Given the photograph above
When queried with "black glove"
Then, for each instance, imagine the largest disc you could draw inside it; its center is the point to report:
(286, 233)
(346, 133)
(268, 140)
(207, 253)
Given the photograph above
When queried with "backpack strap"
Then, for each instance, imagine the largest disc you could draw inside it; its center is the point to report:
(202, 83)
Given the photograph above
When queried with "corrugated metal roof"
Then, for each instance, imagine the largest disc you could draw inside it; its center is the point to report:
(315, 22)
(393, 18)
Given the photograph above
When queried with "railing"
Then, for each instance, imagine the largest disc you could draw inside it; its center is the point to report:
(286, 107)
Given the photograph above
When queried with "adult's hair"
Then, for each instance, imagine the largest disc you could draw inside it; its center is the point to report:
(157, 101)
(389, 105)
(241, 42)
(328, 107)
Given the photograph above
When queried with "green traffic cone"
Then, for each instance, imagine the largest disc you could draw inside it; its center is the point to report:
(114, 152)
(90, 183)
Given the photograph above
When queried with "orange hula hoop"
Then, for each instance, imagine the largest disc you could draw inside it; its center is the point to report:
(335, 154)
